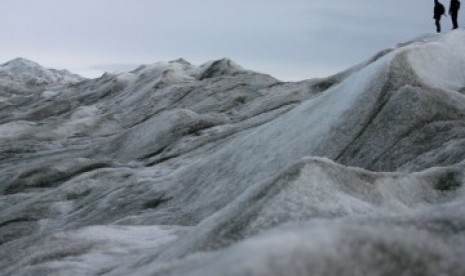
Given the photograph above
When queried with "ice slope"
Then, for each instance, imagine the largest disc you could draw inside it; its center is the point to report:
(178, 169)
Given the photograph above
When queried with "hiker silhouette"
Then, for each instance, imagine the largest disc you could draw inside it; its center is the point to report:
(454, 11)
(439, 10)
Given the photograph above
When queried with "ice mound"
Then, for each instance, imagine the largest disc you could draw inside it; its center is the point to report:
(31, 73)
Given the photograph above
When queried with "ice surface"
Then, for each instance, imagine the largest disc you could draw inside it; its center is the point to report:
(440, 63)
(48, 94)
(15, 128)
(179, 169)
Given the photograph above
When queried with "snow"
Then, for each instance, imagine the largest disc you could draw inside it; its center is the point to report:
(180, 169)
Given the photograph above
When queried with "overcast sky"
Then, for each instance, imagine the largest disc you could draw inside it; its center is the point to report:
(291, 40)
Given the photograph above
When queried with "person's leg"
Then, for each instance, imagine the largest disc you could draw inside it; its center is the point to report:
(455, 25)
(438, 25)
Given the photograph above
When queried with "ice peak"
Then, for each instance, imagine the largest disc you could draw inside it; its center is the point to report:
(181, 61)
(21, 62)
(220, 67)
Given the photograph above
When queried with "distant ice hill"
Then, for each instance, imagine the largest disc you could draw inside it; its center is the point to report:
(20, 76)
(177, 169)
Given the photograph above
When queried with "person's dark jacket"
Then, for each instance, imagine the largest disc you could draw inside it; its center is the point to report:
(439, 10)
(454, 6)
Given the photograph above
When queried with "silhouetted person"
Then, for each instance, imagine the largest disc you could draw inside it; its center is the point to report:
(439, 10)
(454, 12)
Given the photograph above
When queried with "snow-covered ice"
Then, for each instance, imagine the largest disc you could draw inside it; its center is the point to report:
(179, 169)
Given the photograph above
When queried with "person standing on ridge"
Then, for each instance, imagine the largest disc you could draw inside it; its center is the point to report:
(453, 12)
(439, 10)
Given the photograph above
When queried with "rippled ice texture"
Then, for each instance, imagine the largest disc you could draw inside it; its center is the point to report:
(177, 169)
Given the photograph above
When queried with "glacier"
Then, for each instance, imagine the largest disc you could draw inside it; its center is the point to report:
(179, 169)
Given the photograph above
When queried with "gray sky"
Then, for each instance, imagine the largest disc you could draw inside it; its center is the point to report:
(291, 40)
